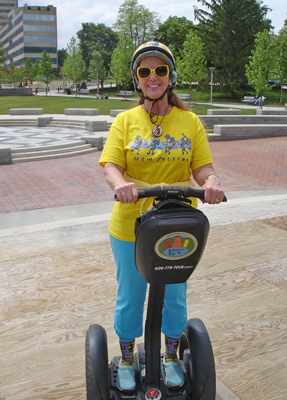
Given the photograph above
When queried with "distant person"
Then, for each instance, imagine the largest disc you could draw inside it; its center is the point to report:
(106, 96)
(255, 98)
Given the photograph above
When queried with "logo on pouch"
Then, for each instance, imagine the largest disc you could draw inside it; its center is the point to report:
(176, 246)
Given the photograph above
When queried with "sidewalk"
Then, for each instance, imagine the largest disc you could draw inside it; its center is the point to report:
(58, 275)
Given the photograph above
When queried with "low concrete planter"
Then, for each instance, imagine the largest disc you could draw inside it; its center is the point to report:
(44, 121)
(81, 111)
(26, 111)
(230, 111)
(97, 142)
(5, 155)
(235, 132)
(96, 126)
(211, 120)
(114, 113)
(271, 112)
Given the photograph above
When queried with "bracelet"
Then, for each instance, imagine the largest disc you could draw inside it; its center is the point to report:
(213, 175)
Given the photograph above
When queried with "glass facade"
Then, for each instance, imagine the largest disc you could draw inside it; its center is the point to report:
(30, 30)
(39, 28)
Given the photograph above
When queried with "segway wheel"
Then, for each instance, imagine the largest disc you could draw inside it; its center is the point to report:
(196, 352)
(97, 369)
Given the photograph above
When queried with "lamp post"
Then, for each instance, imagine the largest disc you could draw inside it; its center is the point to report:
(211, 83)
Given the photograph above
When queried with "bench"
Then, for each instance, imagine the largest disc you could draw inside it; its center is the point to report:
(247, 99)
(183, 96)
(125, 93)
(81, 111)
(26, 111)
(230, 111)
(84, 91)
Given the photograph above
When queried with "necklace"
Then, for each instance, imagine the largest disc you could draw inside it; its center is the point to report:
(157, 130)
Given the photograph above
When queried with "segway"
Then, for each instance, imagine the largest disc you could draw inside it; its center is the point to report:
(170, 240)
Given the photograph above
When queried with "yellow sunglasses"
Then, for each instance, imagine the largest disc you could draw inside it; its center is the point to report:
(161, 71)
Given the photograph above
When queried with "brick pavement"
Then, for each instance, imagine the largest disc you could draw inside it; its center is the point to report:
(259, 164)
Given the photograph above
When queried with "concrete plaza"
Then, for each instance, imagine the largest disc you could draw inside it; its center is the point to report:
(58, 275)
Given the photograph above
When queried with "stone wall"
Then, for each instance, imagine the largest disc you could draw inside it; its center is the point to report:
(18, 91)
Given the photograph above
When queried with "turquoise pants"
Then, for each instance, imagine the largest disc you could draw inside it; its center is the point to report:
(131, 296)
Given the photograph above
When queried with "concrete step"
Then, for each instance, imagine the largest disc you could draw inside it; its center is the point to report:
(38, 157)
(29, 154)
(18, 122)
(67, 124)
(61, 145)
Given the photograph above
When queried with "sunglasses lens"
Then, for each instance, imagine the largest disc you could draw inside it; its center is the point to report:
(144, 72)
(161, 71)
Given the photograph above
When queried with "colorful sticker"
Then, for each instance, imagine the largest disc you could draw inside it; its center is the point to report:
(176, 246)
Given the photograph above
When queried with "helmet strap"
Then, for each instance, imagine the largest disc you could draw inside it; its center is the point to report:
(154, 117)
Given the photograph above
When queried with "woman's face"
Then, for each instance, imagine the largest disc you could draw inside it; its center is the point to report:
(154, 86)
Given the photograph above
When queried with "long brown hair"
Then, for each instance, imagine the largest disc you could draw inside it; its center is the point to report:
(173, 100)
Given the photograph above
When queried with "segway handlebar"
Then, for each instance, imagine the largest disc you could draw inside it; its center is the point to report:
(171, 192)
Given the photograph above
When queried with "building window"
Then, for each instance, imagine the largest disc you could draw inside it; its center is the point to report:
(42, 39)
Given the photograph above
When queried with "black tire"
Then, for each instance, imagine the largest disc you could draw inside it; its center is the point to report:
(196, 352)
(97, 369)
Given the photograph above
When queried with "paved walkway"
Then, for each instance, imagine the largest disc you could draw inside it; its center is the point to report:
(58, 276)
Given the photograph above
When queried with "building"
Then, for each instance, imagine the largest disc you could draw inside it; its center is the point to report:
(30, 31)
(5, 7)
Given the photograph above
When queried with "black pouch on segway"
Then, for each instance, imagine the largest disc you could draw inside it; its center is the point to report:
(170, 240)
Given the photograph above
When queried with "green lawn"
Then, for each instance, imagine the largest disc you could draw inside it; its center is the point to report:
(56, 105)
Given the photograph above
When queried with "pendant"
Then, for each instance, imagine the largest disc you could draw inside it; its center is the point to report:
(157, 130)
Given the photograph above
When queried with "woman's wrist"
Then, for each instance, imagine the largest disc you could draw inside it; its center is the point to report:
(212, 174)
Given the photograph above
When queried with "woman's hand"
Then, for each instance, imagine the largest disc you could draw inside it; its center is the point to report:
(126, 191)
(213, 191)
(207, 179)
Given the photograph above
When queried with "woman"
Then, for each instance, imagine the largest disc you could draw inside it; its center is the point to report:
(159, 142)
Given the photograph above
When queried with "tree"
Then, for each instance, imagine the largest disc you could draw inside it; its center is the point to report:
(45, 69)
(192, 65)
(74, 66)
(97, 70)
(136, 22)
(228, 29)
(262, 63)
(62, 55)
(98, 38)
(16, 75)
(173, 33)
(281, 71)
(121, 61)
(28, 67)
(2, 55)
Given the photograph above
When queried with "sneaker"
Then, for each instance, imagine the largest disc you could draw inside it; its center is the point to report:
(126, 378)
(174, 377)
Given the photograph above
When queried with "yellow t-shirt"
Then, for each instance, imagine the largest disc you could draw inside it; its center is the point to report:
(170, 158)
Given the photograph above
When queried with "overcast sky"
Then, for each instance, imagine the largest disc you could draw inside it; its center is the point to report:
(71, 13)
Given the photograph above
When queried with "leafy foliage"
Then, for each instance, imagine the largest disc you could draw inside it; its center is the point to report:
(74, 66)
(45, 69)
(121, 60)
(136, 22)
(96, 69)
(192, 65)
(262, 63)
(98, 38)
(228, 29)
(173, 33)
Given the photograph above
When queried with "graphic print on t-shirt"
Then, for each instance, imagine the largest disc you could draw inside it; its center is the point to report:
(167, 145)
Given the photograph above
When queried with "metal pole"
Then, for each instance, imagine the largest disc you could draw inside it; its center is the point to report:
(211, 83)
(98, 82)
